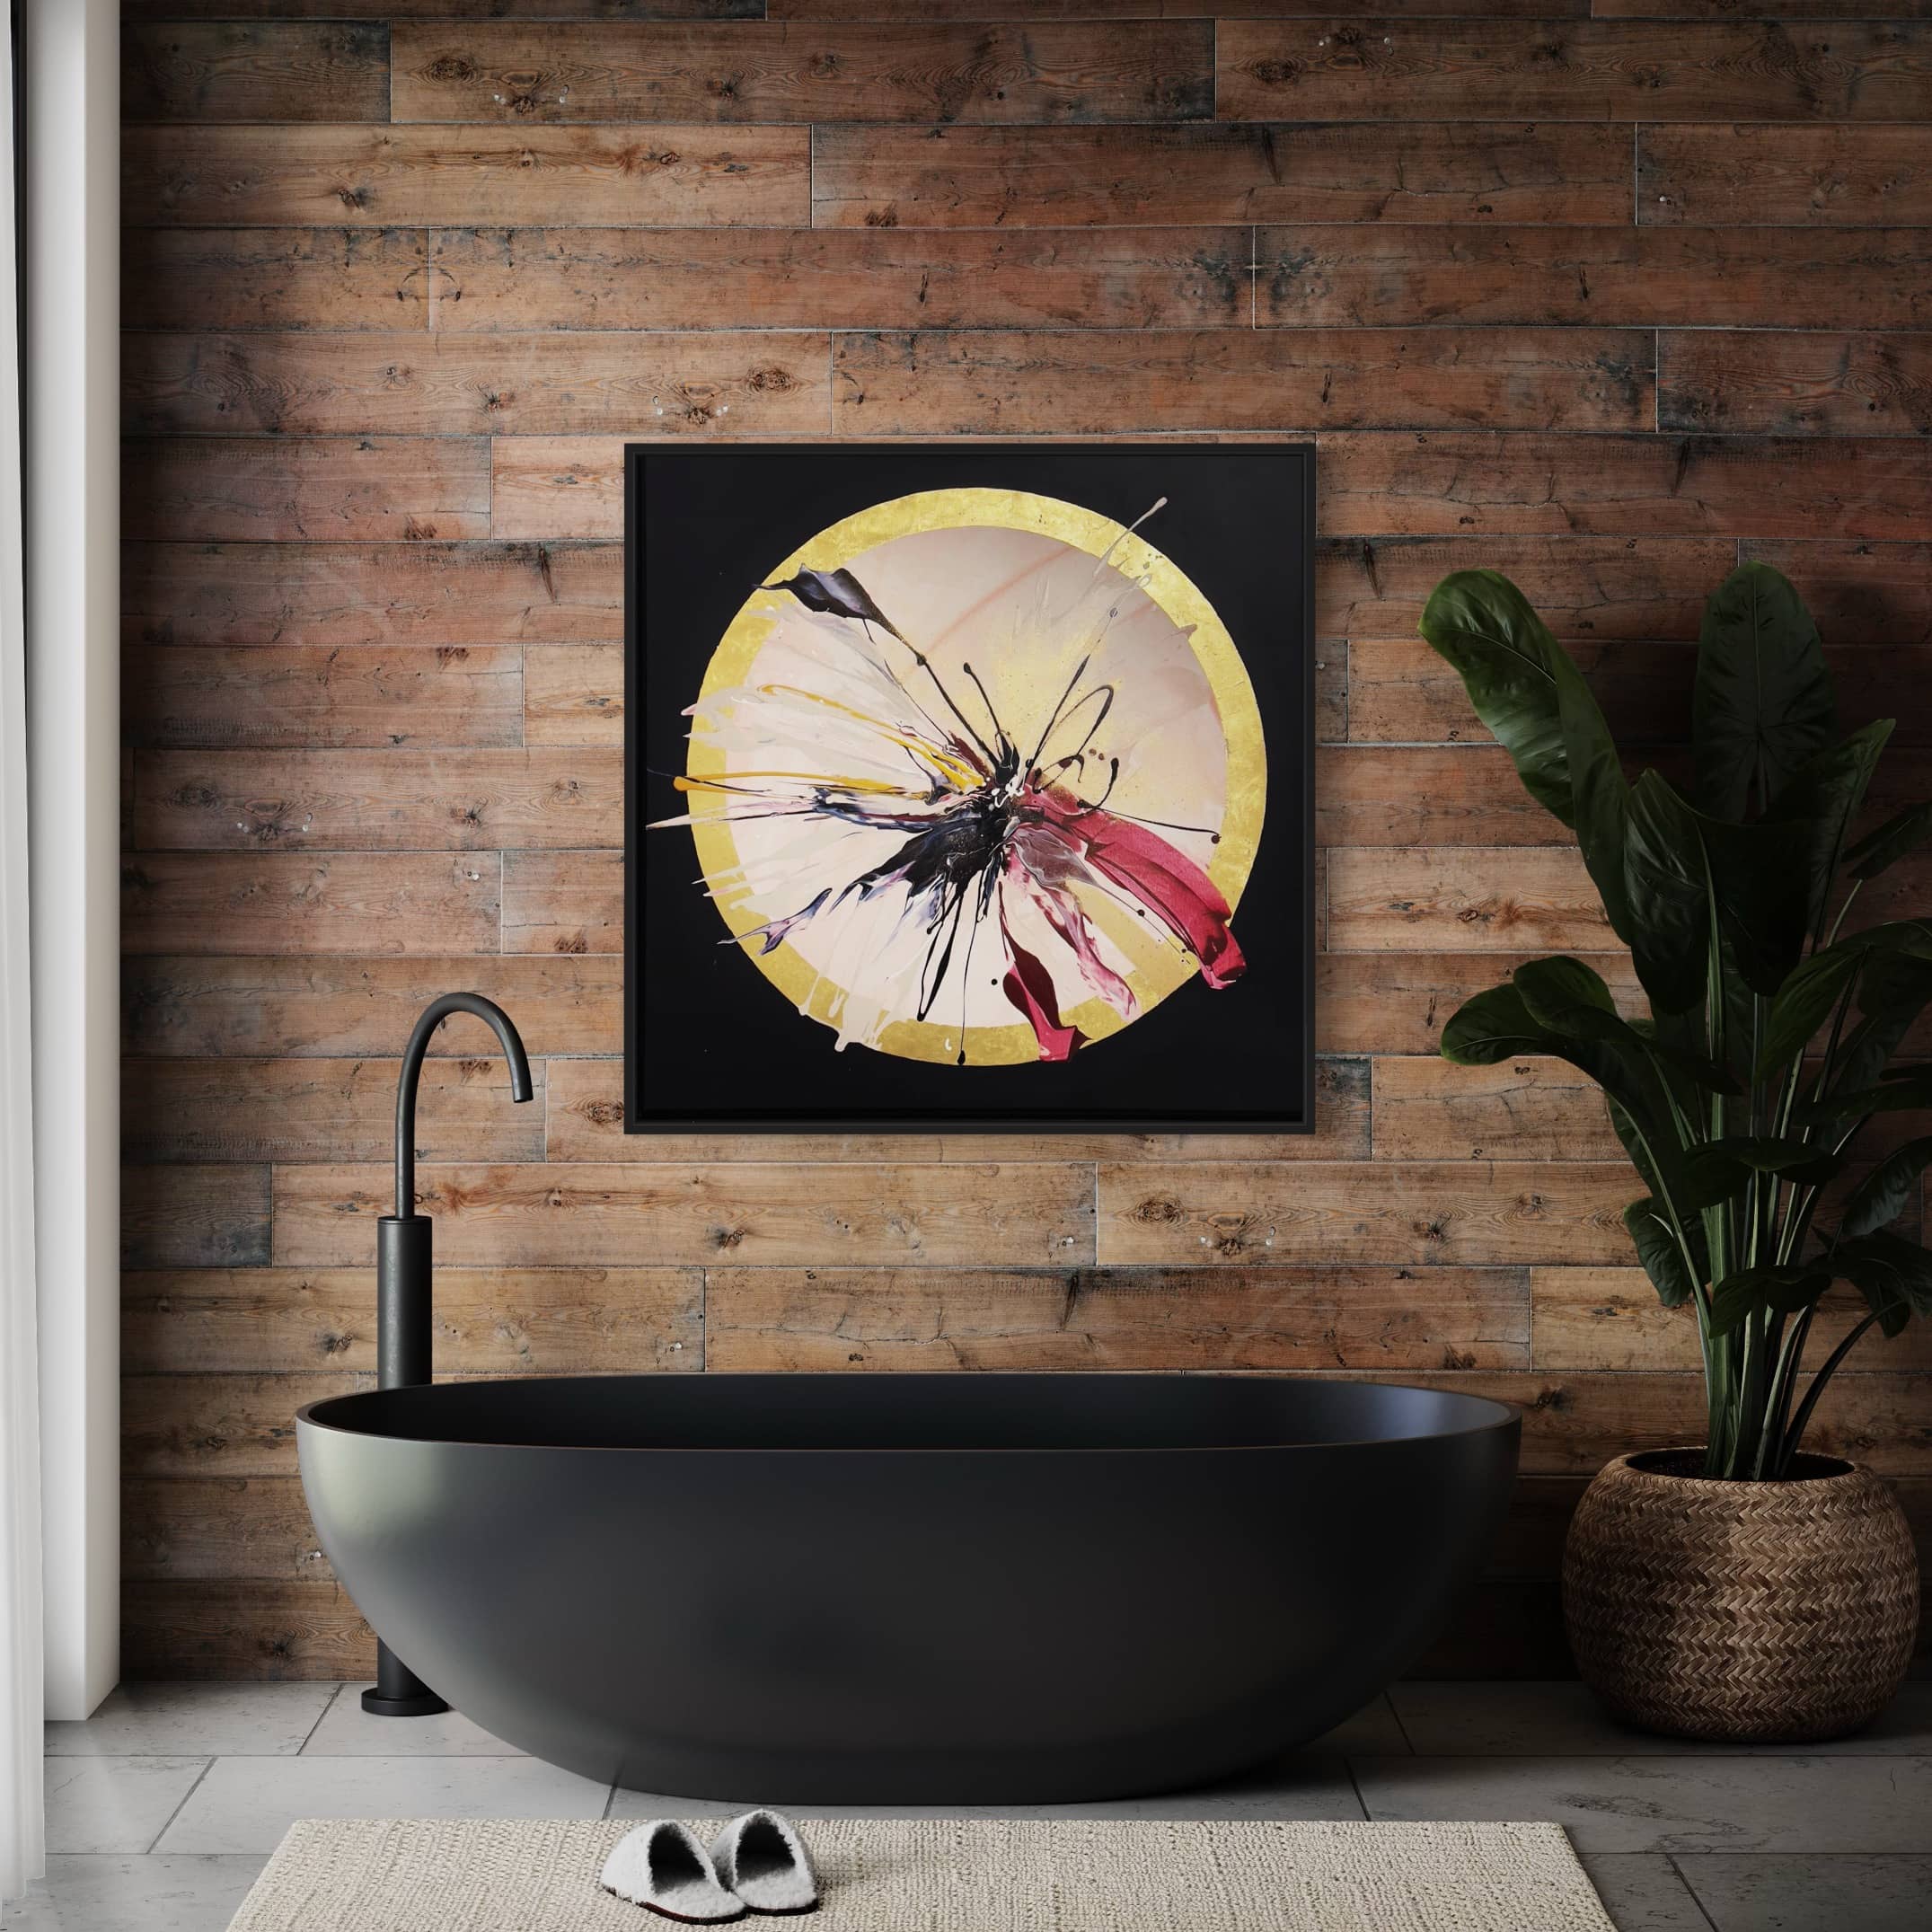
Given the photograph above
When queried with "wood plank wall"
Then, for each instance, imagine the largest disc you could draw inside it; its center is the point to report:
(1608, 299)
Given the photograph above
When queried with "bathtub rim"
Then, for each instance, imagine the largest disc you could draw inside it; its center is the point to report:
(1486, 1415)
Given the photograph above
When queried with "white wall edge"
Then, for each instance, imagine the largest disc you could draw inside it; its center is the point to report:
(70, 410)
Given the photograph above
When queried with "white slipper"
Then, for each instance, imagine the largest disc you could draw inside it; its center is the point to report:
(763, 1860)
(663, 1867)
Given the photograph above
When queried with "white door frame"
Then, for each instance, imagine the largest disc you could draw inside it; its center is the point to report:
(70, 403)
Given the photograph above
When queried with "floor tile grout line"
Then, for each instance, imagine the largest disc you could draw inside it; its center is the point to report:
(1355, 1785)
(328, 1705)
(1395, 1712)
(207, 1765)
(1670, 1858)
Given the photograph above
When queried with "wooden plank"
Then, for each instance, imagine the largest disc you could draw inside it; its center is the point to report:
(264, 1631)
(1403, 274)
(441, 9)
(199, 1217)
(178, 1004)
(586, 1124)
(1396, 1003)
(1903, 892)
(318, 385)
(317, 695)
(570, 902)
(1435, 482)
(1587, 587)
(219, 1424)
(544, 486)
(1463, 899)
(335, 594)
(1404, 170)
(291, 902)
(1331, 688)
(1610, 1318)
(400, 799)
(992, 1215)
(1400, 691)
(1845, 383)
(1191, 379)
(574, 694)
(1527, 1109)
(857, 10)
(509, 9)
(224, 279)
(1452, 482)
(271, 70)
(1628, 70)
(221, 1526)
(1752, 9)
(1881, 594)
(1841, 177)
(1415, 795)
(670, 177)
(226, 488)
(886, 70)
(315, 1109)
(1574, 1424)
(488, 1321)
(498, 278)
(899, 1320)
(1401, 1213)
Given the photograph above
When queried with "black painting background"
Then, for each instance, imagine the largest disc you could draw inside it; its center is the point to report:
(710, 1042)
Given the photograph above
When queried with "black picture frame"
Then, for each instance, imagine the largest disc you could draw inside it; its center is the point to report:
(1242, 1060)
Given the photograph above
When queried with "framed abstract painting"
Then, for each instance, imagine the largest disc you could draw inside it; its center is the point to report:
(969, 786)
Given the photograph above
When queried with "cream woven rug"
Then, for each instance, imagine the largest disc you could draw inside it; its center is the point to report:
(940, 1875)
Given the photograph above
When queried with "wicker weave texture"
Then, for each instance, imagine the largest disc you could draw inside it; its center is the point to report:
(1747, 1611)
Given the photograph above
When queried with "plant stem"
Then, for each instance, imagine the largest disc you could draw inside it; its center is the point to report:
(1802, 1420)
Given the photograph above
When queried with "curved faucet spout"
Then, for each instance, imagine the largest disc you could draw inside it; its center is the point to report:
(433, 1017)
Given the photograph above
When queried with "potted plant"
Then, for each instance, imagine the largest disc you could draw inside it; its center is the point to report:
(1744, 1588)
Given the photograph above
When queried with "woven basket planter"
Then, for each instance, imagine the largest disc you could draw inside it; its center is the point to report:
(1759, 1612)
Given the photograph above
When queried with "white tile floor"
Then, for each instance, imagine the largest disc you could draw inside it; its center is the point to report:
(163, 1806)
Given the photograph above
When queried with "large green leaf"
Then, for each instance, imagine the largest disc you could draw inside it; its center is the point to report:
(1806, 1000)
(1911, 1090)
(1498, 1024)
(1561, 991)
(1819, 803)
(1762, 878)
(1896, 962)
(1569, 1000)
(1537, 705)
(1878, 850)
(1718, 1169)
(1509, 665)
(1882, 1196)
(1657, 1249)
(1780, 1289)
(1892, 1274)
(1492, 1026)
(1762, 703)
(1667, 884)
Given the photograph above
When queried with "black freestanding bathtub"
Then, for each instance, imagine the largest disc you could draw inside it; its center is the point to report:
(906, 1589)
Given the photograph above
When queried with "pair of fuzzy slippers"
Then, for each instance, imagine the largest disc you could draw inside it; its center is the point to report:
(758, 1864)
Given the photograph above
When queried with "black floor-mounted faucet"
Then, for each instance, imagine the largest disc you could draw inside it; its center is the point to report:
(404, 1327)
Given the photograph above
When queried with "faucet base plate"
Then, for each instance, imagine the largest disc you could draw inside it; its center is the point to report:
(424, 1704)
